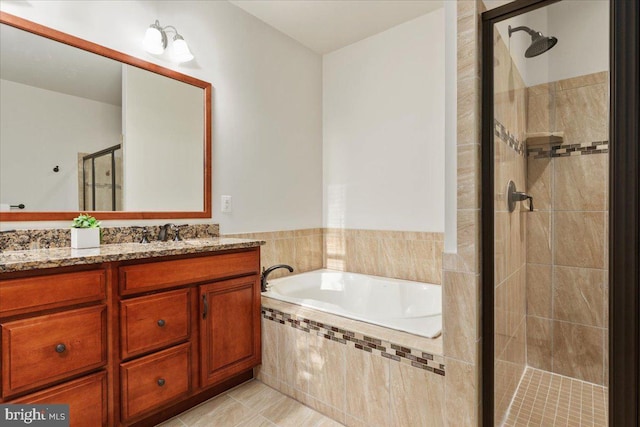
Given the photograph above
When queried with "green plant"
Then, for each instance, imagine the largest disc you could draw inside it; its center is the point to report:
(85, 221)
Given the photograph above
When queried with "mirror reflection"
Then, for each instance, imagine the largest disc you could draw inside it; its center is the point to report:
(79, 131)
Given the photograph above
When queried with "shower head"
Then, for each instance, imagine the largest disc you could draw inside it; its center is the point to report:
(539, 43)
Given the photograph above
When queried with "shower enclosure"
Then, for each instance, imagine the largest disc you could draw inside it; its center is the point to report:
(546, 219)
(102, 180)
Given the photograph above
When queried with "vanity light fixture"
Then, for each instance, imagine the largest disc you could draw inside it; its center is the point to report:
(156, 41)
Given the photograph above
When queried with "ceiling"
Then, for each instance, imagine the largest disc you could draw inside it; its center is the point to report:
(327, 25)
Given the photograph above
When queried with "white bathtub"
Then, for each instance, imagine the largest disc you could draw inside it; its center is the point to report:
(412, 307)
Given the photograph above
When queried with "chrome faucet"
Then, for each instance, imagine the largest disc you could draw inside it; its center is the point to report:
(163, 235)
(265, 273)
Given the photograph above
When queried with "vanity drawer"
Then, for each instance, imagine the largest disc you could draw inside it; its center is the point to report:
(51, 291)
(164, 274)
(86, 397)
(154, 321)
(154, 380)
(43, 349)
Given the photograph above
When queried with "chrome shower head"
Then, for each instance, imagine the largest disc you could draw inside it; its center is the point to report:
(539, 43)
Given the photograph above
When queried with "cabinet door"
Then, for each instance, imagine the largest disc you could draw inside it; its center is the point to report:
(230, 330)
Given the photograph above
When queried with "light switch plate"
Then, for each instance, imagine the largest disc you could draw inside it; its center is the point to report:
(225, 203)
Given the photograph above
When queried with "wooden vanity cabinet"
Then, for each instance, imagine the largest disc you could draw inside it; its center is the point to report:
(187, 325)
(130, 343)
(54, 333)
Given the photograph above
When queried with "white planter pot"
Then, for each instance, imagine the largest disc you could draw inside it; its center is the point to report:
(82, 238)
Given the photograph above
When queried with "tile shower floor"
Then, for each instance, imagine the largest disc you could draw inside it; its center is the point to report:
(546, 399)
(251, 404)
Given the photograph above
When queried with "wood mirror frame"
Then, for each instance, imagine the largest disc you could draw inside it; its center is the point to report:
(40, 30)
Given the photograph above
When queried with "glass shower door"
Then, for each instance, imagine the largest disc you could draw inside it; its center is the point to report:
(551, 167)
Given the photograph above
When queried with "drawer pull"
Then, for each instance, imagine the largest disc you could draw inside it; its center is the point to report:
(60, 348)
(161, 323)
(161, 382)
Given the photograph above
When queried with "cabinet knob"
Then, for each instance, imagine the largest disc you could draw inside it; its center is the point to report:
(60, 348)
(161, 323)
(161, 382)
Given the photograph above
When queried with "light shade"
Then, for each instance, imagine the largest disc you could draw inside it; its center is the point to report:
(180, 51)
(153, 41)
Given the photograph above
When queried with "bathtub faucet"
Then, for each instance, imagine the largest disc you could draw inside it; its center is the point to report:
(265, 273)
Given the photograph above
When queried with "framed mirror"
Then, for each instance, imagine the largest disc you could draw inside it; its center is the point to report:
(85, 128)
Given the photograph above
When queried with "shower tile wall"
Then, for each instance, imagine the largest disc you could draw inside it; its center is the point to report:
(510, 249)
(567, 237)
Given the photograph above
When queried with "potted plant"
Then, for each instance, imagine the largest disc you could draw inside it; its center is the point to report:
(85, 232)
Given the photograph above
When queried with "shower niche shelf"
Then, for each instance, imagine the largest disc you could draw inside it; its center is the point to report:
(543, 139)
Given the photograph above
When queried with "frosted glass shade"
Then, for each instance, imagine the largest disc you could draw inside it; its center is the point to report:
(152, 42)
(181, 52)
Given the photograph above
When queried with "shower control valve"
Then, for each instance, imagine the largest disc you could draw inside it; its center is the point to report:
(514, 196)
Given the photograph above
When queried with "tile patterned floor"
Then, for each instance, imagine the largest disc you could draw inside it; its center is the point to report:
(546, 399)
(251, 404)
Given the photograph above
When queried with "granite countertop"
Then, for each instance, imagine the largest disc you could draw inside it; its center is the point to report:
(60, 257)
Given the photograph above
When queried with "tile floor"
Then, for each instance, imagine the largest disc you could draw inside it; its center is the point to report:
(546, 399)
(251, 404)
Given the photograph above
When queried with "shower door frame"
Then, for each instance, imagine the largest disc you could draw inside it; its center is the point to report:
(624, 208)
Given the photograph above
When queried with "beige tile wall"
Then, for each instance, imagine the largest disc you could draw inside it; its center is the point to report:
(567, 243)
(404, 255)
(510, 231)
(301, 249)
(352, 386)
(399, 254)
(461, 269)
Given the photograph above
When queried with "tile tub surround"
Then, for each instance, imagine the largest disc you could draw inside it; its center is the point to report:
(356, 373)
(20, 240)
(567, 294)
(11, 261)
(301, 249)
(407, 255)
(404, 255)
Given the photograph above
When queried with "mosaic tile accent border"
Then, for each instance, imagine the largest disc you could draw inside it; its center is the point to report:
(409, 356)
(596, 147)
(505, 136)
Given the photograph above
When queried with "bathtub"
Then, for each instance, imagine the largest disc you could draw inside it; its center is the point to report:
(403, 305)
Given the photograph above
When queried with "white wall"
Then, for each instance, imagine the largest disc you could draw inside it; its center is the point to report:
(383, 129)
(267, 100)
(41, 129)
(163, 134)
(582, 30)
